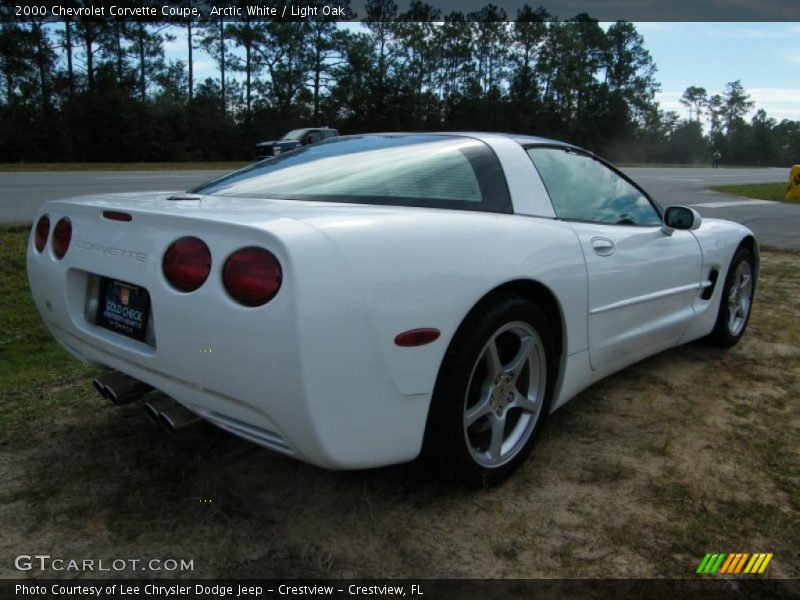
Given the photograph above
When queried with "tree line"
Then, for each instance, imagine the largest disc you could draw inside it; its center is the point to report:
(759, 141)
(88, 90)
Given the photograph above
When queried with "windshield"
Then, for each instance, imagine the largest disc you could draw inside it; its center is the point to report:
(294, 134)
(436, 171)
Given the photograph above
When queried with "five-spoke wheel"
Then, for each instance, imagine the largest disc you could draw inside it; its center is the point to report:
(739, 297)
(737, 300)
(505, 393)
(493, 390)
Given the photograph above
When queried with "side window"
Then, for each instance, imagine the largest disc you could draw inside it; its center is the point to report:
(313, 137)
(584, 189)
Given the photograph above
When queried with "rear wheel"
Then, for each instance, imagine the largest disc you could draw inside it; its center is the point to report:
(493, 392)
(736, 301)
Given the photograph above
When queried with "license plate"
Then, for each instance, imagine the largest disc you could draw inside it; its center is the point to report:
(124, 308)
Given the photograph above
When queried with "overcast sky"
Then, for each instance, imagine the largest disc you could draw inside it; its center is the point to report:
(764, 56)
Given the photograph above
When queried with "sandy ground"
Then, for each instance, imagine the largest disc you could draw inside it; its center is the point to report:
(692, 451)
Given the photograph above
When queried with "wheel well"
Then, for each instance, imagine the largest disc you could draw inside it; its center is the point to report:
(750, 243)
(544, 299)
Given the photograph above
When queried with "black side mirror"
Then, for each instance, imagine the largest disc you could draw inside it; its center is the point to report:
(680, 217)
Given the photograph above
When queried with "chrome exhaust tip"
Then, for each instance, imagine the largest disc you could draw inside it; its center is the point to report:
(178, 417)
(156, 406)
(120, 388)
(98, 385)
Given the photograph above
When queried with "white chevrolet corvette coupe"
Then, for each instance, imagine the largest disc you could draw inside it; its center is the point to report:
(354, 302)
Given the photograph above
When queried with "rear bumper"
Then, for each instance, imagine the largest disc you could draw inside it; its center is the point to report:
(337, 429)
(303, 378)
(230, 414)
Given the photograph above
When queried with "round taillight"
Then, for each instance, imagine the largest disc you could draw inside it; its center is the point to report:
(187, 263)
(62, 236)
(41, 233)
(252, 276)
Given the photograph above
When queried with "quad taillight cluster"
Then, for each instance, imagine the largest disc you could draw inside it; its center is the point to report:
(252, 276)
(62, 235)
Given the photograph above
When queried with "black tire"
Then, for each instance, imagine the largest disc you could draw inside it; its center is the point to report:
(446, 437)
(723, 335)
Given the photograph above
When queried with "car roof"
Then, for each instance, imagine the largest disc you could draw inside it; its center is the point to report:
(480, 135)
(519, 138)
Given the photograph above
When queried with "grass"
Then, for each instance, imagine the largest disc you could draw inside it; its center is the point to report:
(760, 191)
(35, 373)
(692, 451)
(168, 166)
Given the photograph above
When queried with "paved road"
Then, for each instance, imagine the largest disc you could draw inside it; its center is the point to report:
(776, 224)
(22, 193)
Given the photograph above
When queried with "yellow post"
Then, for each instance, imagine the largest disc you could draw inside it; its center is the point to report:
(793, 189)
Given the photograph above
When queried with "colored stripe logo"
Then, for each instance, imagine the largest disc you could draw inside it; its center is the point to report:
(734, 563)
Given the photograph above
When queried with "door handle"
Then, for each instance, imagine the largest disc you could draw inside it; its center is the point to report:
(603, 246)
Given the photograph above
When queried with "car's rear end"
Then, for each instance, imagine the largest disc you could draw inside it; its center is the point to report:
(217, 303)
(282, 302)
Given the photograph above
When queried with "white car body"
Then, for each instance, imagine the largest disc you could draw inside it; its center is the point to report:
(315, 373)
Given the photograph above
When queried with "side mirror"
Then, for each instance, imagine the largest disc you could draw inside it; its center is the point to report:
(680, 217)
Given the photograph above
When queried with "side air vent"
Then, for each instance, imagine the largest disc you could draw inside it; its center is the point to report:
(712, 283)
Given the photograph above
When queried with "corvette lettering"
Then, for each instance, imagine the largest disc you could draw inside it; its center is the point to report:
(112, 251)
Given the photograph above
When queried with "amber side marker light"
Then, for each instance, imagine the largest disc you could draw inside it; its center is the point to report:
(417, 337)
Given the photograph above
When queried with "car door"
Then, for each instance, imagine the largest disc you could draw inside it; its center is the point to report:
(642, 282)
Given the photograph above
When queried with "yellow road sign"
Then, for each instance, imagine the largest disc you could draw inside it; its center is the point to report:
(793, 189)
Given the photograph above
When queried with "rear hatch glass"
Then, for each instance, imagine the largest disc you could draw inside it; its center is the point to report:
(435, 171)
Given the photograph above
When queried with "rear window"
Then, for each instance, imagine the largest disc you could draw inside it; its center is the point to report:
(398, 170)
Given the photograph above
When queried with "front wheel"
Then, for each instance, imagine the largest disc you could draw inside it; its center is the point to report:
(736, 301)
(493, 391)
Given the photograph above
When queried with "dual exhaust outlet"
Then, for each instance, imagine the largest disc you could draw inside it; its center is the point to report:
(170, 414)
(122, 389)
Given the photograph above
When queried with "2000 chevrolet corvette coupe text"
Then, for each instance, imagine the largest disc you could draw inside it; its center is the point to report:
(353, 302)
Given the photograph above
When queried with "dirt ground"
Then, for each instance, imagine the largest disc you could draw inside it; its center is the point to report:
(692, 451)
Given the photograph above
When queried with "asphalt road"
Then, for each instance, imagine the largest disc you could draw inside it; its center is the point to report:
(21, 194)
(775, 223)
